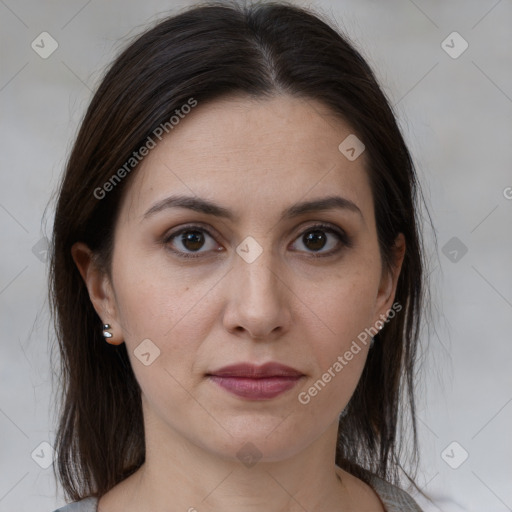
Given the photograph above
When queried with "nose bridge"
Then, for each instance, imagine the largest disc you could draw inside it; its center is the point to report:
(256, 268)
(258, 304)
(259, 300)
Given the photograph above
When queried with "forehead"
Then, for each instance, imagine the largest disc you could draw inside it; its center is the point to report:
(250, 154)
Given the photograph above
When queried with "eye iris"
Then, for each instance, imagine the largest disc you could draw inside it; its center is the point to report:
(317, 238)
(192, 240)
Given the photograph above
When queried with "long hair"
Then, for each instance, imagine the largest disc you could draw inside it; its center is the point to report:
(208, 52)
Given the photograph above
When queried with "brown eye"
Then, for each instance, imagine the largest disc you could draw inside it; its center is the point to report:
(317, 237)
(192, 240)
(188, 242)
(315, 240)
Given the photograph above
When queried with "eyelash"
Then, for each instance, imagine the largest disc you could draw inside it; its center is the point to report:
(343, 238)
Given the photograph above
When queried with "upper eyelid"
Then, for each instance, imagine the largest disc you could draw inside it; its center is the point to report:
(190, 227)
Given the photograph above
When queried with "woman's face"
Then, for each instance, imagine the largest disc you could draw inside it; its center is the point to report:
(260, 282)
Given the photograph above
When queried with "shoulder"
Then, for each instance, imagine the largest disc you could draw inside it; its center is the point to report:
(384, 494)
(394, 498)
(85, 505)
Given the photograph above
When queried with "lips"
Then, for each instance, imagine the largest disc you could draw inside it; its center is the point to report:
(256, 382)
(255, 372)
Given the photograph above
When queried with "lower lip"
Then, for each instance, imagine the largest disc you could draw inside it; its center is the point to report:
(256, 389)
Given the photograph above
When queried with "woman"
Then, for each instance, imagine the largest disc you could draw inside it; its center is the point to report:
(237, 274)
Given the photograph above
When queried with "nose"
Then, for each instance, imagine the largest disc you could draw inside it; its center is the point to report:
(259, 298)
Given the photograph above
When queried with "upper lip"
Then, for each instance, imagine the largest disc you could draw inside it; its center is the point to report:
(250, 370)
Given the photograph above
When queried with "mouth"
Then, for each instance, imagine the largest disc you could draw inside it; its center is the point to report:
(254, 382)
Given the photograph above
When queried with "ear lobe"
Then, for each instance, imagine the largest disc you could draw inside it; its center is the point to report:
(96, 281)
(389, 279)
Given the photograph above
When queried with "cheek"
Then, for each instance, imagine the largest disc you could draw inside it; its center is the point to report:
(346, 305)
(148, 301)
(340, 345)
(168, 312)
(339, 361)
(165, 307)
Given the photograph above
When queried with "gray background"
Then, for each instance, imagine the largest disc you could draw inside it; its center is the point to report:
(456, 115)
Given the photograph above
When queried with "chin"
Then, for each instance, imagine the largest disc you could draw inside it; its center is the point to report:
(272, 440)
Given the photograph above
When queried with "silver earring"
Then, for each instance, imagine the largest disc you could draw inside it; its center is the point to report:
(106, 333)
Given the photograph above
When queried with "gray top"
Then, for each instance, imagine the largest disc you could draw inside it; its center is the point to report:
(393, 498)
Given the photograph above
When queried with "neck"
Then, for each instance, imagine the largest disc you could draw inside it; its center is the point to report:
(194, 479)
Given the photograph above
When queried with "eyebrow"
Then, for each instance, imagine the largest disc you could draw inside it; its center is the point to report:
(205, 206)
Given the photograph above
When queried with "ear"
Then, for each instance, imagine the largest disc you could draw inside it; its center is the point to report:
(389, 279)
(100, 289)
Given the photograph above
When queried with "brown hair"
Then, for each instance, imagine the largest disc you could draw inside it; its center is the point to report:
(207, 52)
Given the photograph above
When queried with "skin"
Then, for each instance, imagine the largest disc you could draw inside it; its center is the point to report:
(256, 158)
